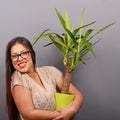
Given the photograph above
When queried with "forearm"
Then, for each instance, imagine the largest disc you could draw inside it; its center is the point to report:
(78, 99)
(26, 108)
(77, 103)
(40, 115)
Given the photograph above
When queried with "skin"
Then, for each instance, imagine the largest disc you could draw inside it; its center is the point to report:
(24, 101)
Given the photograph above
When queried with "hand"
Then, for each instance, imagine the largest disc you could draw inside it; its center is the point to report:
(66, 113)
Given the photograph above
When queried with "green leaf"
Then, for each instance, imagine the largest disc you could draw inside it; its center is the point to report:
(48, 44)
(71, 36)
(81, 24)
(105, 27)
(61, 18)
(100, 30)
(67, 20)
(88, 45)
(59, 37)
(60, 45)
(42, 36)
(76, 30)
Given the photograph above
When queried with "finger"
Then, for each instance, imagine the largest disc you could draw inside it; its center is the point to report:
(59, 110)
(58, 118)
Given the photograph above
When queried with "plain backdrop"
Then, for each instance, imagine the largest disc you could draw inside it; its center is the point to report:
(99, 79)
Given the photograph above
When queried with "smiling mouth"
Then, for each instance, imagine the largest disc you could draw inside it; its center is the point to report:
(22, 64)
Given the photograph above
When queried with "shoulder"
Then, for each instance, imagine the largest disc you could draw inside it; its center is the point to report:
(16, 79)
(48, 68)
(16, 75)
(19, 78)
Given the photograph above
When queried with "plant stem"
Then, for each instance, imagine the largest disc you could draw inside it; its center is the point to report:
(66, 82)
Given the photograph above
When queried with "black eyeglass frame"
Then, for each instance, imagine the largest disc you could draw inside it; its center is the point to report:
(24, 55)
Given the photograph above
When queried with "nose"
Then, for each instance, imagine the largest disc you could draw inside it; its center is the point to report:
(20, 58)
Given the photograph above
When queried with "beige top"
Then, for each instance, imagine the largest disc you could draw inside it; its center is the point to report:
(42, 99)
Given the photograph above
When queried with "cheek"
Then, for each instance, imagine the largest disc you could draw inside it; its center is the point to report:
(30, 64)
(30, 61)
(14, 65)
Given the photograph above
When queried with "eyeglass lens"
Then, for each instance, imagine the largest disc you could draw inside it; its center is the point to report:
(22, 55)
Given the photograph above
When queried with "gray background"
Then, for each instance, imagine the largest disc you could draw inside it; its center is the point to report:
(99, 79)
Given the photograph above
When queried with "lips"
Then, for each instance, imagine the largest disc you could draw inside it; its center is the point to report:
(22, 64)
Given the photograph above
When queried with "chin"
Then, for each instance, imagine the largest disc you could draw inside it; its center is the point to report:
(23, 70)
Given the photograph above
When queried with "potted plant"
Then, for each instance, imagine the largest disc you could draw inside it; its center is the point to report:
(73, 44)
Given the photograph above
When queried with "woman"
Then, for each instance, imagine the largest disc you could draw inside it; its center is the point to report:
(30, 90)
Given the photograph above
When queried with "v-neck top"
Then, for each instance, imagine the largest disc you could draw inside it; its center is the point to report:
(42, 98)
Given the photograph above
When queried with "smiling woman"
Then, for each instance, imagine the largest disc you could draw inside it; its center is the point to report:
(30, 89)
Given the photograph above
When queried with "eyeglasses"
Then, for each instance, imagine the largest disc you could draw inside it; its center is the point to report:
(23, 55)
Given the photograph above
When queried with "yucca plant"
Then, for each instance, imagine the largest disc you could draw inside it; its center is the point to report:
(73, 44)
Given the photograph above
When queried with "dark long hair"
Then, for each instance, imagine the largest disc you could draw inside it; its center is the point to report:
(13, 113)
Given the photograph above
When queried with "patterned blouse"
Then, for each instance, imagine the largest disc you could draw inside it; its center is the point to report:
(42, 98)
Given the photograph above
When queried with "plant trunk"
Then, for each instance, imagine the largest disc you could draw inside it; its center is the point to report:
(66, 82)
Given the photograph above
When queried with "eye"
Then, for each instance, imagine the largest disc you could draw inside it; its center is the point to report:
(14, 56)
(25, 54)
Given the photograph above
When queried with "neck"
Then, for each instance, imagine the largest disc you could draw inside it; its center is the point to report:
(32, 73)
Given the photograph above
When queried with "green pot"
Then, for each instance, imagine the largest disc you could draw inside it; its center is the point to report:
(63, 100)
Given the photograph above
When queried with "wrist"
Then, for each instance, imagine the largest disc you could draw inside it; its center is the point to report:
(73, 108)
(57, 113)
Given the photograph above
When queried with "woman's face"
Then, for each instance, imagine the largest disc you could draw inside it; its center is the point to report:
(21, 58)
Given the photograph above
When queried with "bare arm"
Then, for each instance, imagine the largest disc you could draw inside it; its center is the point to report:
(23, 100)
(70, 111)
(78, 101)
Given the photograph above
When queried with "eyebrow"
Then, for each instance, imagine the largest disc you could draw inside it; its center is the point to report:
(19, 53)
